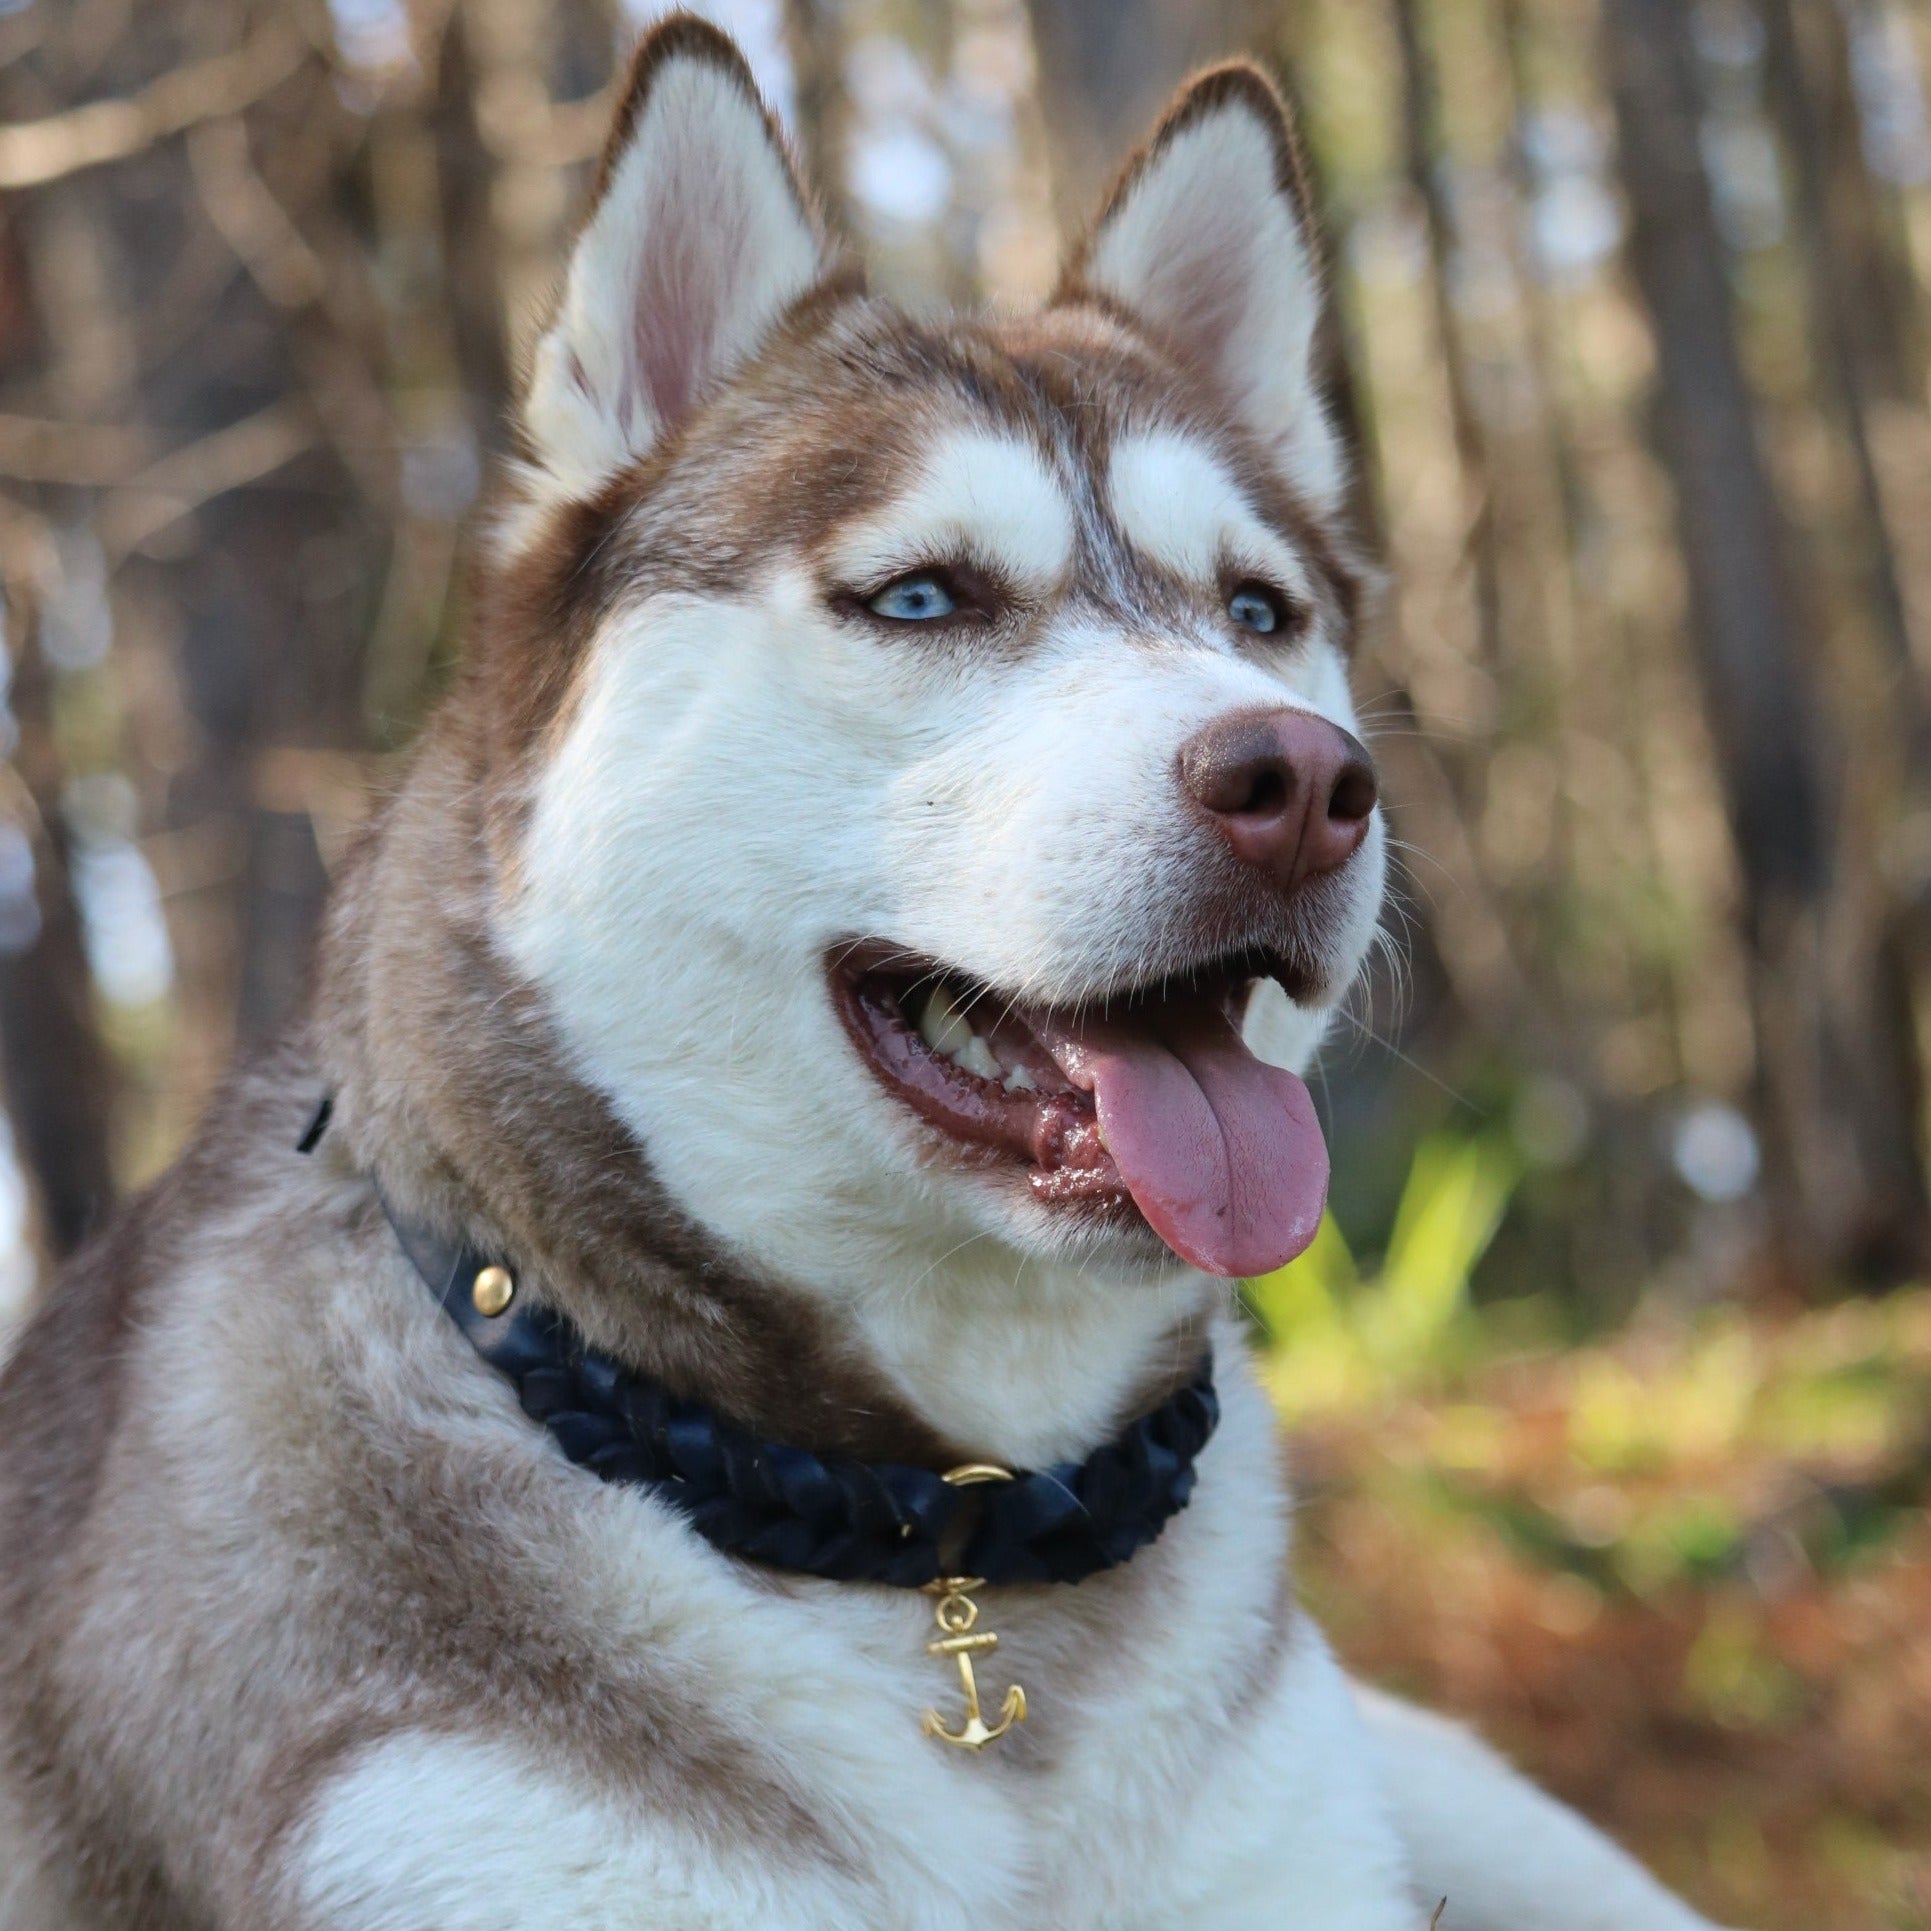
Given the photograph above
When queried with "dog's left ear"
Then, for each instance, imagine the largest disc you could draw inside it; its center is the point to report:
(1207, 240)
(699, 241)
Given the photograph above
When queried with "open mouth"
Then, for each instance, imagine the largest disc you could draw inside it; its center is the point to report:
(1144, 1104)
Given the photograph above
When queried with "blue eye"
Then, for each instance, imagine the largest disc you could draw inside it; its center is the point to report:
(913, 600)
(1254, 607)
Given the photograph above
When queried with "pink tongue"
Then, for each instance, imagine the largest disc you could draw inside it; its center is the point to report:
(1221, 1152)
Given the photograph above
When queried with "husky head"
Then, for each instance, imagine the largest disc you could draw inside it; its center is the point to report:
(929, 735)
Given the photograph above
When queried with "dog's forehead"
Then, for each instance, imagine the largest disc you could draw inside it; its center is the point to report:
(1062, 437)
(1058, 418)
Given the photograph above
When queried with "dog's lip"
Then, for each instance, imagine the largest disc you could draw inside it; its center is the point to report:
(1043, 1129)
(1052, 1128)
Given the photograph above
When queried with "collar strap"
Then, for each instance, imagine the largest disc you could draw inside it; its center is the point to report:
(849, 1521)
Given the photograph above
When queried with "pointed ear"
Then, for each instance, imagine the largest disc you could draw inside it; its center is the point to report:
(699, 240)
(1207, 240)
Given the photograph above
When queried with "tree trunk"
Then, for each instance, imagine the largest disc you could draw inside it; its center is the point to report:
(1106, 68)
(59, 1079)
(1848, 343)
(814, 38)
(313, 546)
(1837, 1066)
(1880, 291)
(472, 276)
(1424, 156)
(205, 312)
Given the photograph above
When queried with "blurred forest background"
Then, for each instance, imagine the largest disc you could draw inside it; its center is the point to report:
(1609, 1374)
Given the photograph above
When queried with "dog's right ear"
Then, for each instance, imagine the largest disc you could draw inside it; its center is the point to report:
(699, 241)
(1208, 239)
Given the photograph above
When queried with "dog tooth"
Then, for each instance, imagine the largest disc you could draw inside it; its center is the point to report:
(941, 1026)
(933, 1009)
(976, 1057)
(1021, 1081)
(929, 1029)
(944, 1027)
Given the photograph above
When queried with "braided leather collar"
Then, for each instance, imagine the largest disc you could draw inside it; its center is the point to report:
(849, 1521)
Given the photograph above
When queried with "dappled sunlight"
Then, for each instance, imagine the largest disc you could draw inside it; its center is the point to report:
(1682, 1572)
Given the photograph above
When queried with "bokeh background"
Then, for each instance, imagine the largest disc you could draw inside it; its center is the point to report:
(1609, 1375)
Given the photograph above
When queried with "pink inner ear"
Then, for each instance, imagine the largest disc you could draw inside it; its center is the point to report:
(1208, 294)
(1206, 274)
(692, 269)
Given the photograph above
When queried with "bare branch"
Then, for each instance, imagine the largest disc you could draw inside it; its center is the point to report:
(88, 137)
(181, 481)
(249, 218)
(541, 133)
(144, 500)
(34, 449)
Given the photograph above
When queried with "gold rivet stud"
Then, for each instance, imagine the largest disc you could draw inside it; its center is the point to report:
(493, 1289)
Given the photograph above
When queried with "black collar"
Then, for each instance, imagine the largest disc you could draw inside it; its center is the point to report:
(847, 1520)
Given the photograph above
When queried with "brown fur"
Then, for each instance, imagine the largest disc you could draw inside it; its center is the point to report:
(825, 427)
(208, 1606)
(406, 1590)
(453, 1094)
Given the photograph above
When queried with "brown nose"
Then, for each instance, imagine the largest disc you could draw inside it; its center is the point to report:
(1291, 794)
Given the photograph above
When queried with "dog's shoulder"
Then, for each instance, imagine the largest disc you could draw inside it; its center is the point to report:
(64, 1383)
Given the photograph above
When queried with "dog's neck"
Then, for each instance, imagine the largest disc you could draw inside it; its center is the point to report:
(453, 1092)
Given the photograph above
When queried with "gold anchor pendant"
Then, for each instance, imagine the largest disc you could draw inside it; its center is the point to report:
(955, 1615)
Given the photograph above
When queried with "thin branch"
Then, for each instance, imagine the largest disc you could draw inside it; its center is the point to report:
(542, 133)
(248, 217)
(184, 479)
(35, 449)
(88, 137)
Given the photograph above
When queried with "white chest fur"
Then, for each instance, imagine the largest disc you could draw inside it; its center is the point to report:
(1188, 1760)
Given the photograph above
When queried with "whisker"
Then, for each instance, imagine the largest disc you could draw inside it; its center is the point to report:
(1414, 1065)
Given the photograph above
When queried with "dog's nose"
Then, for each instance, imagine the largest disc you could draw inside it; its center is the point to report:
(1290, 793)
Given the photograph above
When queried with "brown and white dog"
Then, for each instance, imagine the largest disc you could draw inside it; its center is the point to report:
(808, 941)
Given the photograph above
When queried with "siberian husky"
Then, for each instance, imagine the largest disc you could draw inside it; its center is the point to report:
(801, 981)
